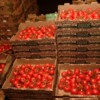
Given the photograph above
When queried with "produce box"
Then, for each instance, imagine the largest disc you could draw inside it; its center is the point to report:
(78, 60)
(74, 68)
(4, 68)
(62, 11)
(32, 41)
(14, 93)
(88, 54)
(38, 54)
(79, 41)
(78, 24)
(34, 48)
(79, 48)
(80, 33)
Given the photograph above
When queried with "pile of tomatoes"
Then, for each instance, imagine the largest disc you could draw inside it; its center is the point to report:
(31, 33)
(5, 47)
(80, 82)
(88, 14)
(2, 66)
(33, 76)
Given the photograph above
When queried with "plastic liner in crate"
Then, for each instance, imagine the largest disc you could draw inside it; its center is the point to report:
(34, 48)
(36, 54)
(7, 65)
(67, 96)
(78, 60)
(78, 24)
(78, 41)
(12, 92)
(79, 54)
(79, 48)
(63, 32)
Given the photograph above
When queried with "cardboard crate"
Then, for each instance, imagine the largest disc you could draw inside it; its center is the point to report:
(79, 48)
(12, 92)
(8, 63)
(80, 33)
(68, 96)
(85, 55)
(78, 40)
(34, 48)
(36, 42)
(14, 40)
(78, 24)
(35, 54)
(78, 60)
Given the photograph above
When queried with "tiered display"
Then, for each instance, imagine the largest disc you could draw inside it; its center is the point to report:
(35, 40)
(13, 12)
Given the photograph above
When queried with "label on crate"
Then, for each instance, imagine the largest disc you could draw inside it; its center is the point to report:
(82, 42)
(83, 34)
(81, 56)
(34, 50)
(32, 43)
(84, 25)
(82, 49)
(80, 62)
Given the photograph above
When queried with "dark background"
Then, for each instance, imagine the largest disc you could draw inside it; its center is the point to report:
(50, 6)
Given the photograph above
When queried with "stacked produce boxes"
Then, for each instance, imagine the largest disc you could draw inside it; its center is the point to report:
(40, 46)
(35, 52)
(78, 45)
(78, 41)
(78, 53)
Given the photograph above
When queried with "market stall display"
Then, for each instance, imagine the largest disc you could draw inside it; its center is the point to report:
(54, 60)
